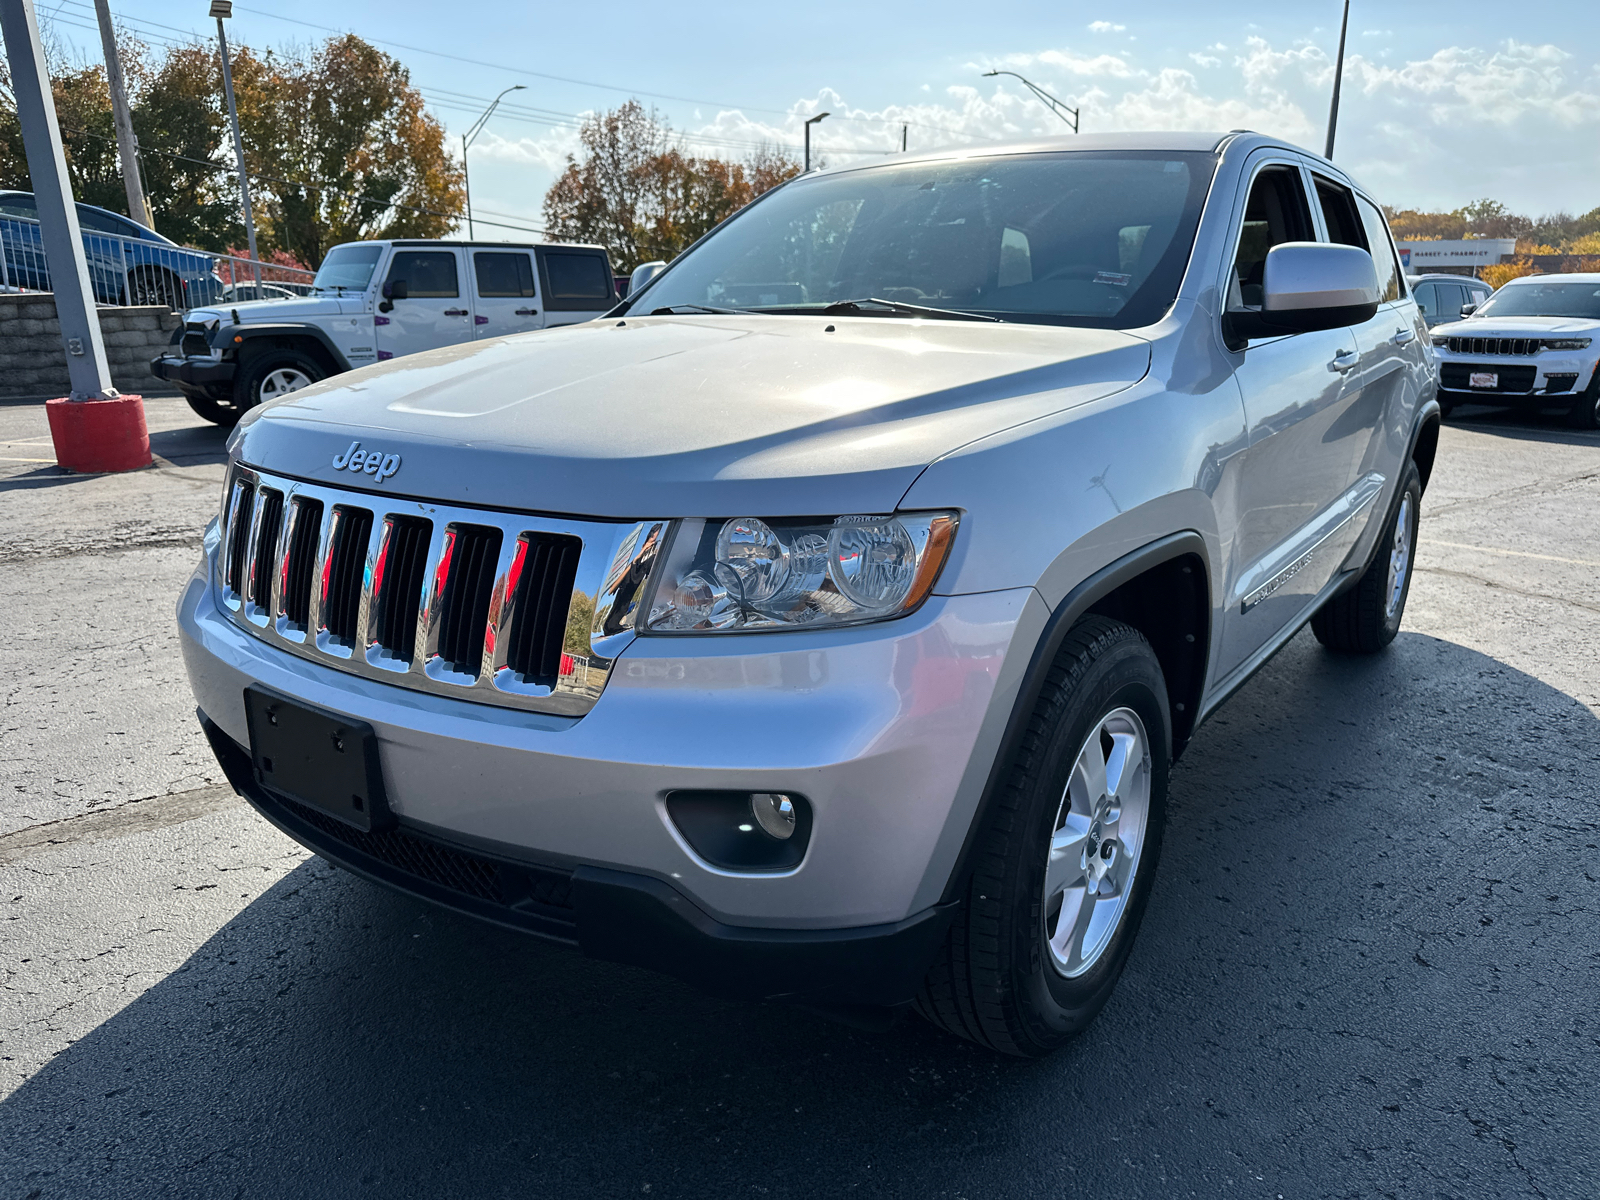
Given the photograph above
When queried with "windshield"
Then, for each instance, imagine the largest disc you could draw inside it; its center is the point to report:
(1078, 238)
(1580, 300)
(347, 268)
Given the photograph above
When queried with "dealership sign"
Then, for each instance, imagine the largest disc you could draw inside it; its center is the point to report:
(1418, 257)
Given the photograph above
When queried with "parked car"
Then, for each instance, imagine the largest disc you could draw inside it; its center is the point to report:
(128, 263)
(1447, 297)
(373, 301)
(1534, 344)
(835, 647)
(249, 293)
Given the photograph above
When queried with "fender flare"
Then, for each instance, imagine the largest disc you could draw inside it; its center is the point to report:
(236, 337)
(1074, 605)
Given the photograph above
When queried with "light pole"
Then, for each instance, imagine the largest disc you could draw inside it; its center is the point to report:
(222, 9)
(1054, 105)
(1338, 75)
(467, 139)
(809, 124)
(127, 144)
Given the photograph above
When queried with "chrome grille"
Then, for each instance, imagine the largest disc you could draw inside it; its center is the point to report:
(457, 601)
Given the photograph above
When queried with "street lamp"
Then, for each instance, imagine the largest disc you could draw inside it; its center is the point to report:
(467, 139)
(221, 10)
(1056, 106)
(809, 124)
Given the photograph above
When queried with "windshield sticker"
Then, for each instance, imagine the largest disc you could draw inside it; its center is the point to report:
(1113, 278)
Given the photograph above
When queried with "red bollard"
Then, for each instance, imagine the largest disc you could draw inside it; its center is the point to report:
(97, 436)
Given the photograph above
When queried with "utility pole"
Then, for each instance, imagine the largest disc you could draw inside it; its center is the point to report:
(904, 130)
(1338, 76)
(94, 428)
(809, 124)
(1069, 115)
(222, 9)
(467, 139)
(127, 144)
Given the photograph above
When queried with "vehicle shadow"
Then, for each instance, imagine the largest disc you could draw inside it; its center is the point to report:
(191, 445)
(1523, 424)
(1369, 964)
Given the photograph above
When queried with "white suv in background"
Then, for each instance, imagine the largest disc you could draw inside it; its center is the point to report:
(1534, 344)
(373, 301)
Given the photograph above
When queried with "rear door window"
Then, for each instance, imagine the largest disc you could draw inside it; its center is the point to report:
(1339, 214)
(502, 274)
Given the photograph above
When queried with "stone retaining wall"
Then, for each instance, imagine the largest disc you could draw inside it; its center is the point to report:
(33, 361)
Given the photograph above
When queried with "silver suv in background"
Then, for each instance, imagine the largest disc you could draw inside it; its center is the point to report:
(1447, 297)
(373, 301)
(823, 624)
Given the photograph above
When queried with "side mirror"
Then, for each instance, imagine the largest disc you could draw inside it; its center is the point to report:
(1468, 309)
(394, 290)
(1308, 286)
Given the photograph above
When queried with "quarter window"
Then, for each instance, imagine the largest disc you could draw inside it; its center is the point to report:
(501, 274)
(579, 277)
(1383, 256)
(429, 274)
(1339, 215)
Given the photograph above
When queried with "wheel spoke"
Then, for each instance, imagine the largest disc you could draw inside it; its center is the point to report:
(1065, 867)
(1066, 939)
(1091, 768)
(1121, 762)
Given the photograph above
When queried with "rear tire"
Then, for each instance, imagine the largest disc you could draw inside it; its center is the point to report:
(1062, 869)
(1365, 619)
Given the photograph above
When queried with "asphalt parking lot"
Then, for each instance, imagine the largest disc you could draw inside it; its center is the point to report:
(1370, 967)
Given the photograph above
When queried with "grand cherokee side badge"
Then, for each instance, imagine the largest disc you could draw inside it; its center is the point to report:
(370, 462)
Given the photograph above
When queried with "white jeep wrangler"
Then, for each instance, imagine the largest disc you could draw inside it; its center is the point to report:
(373, 301)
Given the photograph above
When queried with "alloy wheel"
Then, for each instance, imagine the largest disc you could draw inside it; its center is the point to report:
(283, 381)
(1098, 835)
(1399, 559)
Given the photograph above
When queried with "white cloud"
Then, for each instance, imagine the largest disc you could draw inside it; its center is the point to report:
(1105, 27)
(1206, 60)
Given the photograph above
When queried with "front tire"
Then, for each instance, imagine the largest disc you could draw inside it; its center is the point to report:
(1366, 618)
(273, 375)
(1585, 414)
(209, 407)
(1062, 870)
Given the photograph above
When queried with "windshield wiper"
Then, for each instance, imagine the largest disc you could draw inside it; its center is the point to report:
(673, 310)
(869, 304)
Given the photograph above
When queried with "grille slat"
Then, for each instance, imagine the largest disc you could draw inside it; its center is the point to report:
(540, 607)
(465, 616)
(400, 591)
(266, 558)
(300, 566)
(342, 604)
(239, 538)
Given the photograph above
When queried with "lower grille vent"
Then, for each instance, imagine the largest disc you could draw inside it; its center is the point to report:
(487, 879)
(347, 567)
(474, 551)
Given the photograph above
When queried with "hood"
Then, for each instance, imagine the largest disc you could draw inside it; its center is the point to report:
(1492, 326)
(689, 416)
(268, 312)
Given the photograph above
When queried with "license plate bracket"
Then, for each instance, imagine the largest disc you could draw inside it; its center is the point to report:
(1483, 379)
(319, 758)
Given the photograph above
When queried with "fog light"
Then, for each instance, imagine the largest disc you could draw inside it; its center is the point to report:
(774, 812)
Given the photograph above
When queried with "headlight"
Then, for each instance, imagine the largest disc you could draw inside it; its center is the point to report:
(1440, 340)
(1567, 343)
(749, 574)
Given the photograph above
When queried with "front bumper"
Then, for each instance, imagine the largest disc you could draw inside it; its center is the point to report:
(888, 730)
(1536, 380)
(196, 371)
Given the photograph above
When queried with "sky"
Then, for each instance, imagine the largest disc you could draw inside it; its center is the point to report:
(1441, 104)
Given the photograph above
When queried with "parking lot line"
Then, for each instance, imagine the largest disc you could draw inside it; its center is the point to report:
(1576, 562)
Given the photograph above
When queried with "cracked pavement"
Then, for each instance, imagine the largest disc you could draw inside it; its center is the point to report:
(1370, 965)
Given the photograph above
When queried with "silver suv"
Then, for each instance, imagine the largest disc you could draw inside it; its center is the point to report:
(823, 622)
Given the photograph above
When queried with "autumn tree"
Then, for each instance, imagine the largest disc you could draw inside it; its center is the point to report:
(636, 191)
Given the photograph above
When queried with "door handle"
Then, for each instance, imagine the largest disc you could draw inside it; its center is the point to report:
(1343, 361)
(455, 312)
(1403, 336)
(527, 312)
